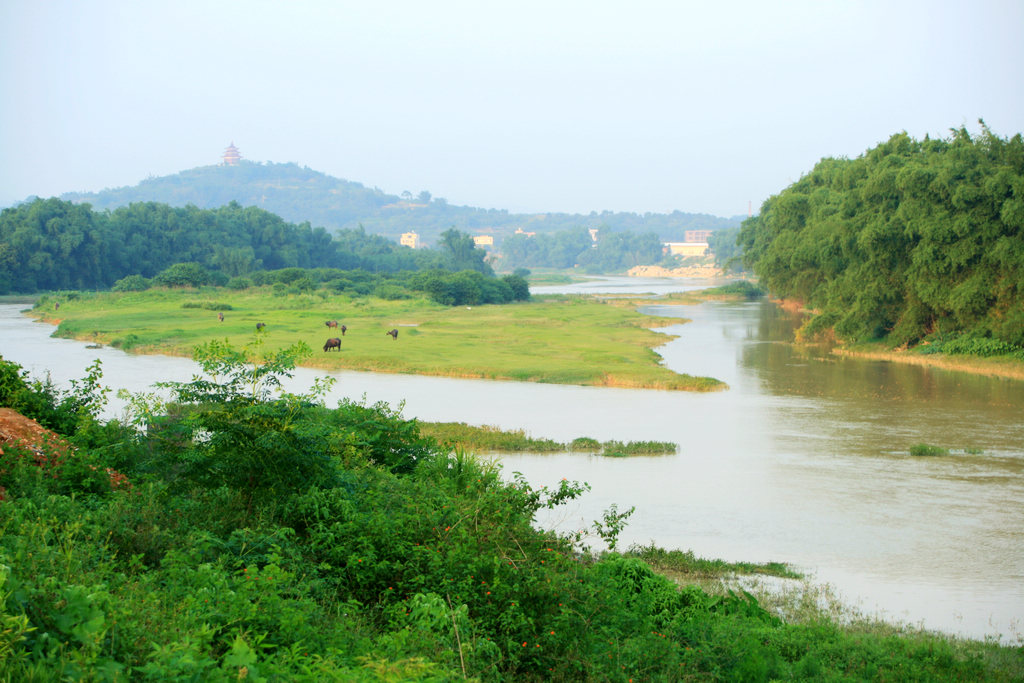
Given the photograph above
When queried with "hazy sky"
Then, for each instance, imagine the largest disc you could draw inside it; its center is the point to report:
(634, 105)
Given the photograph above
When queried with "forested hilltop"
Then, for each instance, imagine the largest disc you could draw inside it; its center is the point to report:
(300, 194)
(914, 241)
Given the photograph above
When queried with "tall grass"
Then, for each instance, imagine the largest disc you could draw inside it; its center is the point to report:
(491, 438)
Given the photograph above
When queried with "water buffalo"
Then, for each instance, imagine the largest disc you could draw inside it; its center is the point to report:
(220, 316)
(333, 343)
(393, 333)
(331, 323)
(260, 326)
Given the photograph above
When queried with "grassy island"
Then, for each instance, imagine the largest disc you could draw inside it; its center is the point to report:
(552, 339)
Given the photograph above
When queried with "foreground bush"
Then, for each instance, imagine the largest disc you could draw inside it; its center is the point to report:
(389, 558)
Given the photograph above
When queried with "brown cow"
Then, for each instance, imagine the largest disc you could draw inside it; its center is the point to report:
(333, 343)
(393, 333)
(331, 323)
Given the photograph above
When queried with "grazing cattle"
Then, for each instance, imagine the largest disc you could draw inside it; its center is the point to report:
(56, 306)
(260, 326)
(333, 343)
(331, 323)
(220, 316)
(393, 333)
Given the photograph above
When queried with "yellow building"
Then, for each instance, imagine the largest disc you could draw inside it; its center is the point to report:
(687, 248)
(410, 239)
(484, 241)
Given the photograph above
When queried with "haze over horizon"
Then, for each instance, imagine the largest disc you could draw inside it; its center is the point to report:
(532, 107)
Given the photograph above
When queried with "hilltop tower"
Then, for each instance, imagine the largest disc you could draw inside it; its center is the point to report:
(231, 155)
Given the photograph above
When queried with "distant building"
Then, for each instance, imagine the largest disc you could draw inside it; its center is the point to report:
(520, 231)
(231, 155)
(410, 239)
(593, 234)
(686, 248)
(697, 235)
(484, 241)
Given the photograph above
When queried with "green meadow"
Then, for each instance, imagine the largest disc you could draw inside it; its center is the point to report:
(556, 339)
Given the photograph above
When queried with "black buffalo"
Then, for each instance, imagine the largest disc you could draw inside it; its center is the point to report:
(393, 333)
(260, 326)
(333, 343)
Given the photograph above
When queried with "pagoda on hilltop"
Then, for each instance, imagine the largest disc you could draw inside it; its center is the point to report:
(231, 155)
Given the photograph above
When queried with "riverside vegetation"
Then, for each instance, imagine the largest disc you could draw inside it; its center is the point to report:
(491, 438)
(915, 244)
(239, 532)
(586, 341)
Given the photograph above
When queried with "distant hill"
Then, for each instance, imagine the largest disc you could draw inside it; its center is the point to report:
(299, 194)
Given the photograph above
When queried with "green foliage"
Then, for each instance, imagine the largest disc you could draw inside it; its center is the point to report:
(925, 450)
(65, 412)
(131, 283)
(584, 443)
(486, 438)
(185, 275)
(686, 563)
(207, 305)
(491, 438)
(911, 239)
(611, 524)
(397, 559)
(971, 345)
(618, 449)
(748, 290)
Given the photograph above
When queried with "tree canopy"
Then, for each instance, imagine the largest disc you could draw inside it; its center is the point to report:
(50, 244)
(913, 238)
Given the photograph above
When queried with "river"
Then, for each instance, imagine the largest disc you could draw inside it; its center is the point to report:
(804, 460)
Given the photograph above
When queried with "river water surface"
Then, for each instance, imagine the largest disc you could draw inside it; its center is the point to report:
(803, 460)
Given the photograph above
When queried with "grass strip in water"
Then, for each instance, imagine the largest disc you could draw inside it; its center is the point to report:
(492, 438)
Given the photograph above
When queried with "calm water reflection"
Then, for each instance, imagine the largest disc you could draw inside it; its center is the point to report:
(804, 460)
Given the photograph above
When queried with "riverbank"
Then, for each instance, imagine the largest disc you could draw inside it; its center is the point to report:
(554, 339)
(703, 271)
(1003, 368)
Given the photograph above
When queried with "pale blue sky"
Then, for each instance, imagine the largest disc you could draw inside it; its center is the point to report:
(638, 105)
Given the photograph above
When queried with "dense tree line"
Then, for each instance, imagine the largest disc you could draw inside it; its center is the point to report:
(53, 244)
(301, 194)
(912, 240)
(614, 251)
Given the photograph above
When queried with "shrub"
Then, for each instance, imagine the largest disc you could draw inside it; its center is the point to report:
(923, 449)
(132, 283)
(207, 305)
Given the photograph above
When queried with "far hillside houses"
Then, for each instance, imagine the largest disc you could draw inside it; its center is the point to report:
(686, 248)
(410, 239)
(484, 241)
